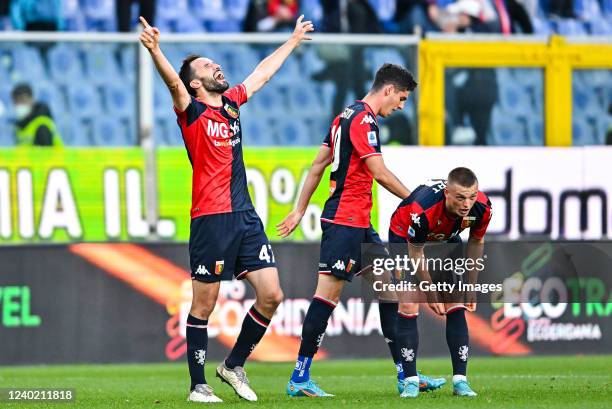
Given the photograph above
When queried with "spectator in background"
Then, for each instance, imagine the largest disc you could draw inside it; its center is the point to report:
(271, 15)
(4, 15)
(519, 18)
(37, 15)
(345, 64)
(146, 8)
(34, 125)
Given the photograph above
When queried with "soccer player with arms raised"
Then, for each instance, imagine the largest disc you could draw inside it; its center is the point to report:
(227, 238)
(439, 212)
(352, 148)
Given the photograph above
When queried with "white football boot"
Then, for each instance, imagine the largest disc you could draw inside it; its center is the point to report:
(203, 393)
(237, 379)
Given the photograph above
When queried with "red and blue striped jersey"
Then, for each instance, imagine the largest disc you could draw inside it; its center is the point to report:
(422, 216)
(213, 138)
(352, 137)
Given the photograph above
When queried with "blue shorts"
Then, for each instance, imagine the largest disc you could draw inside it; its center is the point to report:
(227, 245)
(342, 248)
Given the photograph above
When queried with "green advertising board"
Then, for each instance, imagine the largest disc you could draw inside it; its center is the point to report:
(93, 194)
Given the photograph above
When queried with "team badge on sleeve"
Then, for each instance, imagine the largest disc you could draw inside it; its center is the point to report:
(372, 141)
(231, 111)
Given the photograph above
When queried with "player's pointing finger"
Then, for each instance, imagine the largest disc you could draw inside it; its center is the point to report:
(144, 22)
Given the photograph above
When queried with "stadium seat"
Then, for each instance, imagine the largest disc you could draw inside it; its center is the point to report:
(304, 100)
(84, 100)
(7, 137)
(256, 129)
(569, 27)
(504, 129)
(119, 100)
(207, 9)
(72, 13)
(582, 132)
(76, 132)
(100, 15)
(166, 133)
(271, 100)
(127, 60)
(223, 26)
(27, 63)
(6, 103)
(108, 131)
(289, 72)
(237, 9)
(293, 132)
(176, 16)
(65, 64)
(101, 62)
(585, 100)
(514, 98)
(385, 9)
(50, 94)
(536, 132)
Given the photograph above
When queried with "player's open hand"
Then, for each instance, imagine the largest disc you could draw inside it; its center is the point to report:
(302, 28)
(149, 36)
(289, 223)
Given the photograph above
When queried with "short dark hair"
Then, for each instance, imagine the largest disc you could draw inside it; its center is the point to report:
(396, 75)
(21, 90)
(186, 72)
(463, 177)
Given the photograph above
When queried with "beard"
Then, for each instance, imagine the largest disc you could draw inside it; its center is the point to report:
(212, 85)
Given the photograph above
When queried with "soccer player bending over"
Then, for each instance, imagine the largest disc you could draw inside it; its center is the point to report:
(440, 211)
(227, 238)
(352, 147)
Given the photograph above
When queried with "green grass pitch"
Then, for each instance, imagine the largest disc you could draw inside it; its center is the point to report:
(534, 382)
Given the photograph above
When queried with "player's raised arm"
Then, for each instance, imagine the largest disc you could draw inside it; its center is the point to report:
(385, 177)
(289, 223)
(272, 63)
(150, 39)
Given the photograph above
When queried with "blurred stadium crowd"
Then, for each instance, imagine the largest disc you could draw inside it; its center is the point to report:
(566, 17)
(89, 88)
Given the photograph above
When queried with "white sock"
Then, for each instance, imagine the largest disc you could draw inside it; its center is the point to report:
(459, 378)
(413, 378)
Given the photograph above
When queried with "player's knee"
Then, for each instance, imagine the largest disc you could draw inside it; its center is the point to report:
(272, 299)
(202, 310)
(408, 307)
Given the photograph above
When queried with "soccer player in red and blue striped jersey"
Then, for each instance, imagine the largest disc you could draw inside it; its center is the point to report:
(227, 238)
(438, 212)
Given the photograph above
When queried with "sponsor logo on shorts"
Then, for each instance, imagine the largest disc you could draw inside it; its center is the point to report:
(339, 265)
(372, 141)
(219, 266)
(411, 232)
(201, 270)
(351, 263)
(322, 265)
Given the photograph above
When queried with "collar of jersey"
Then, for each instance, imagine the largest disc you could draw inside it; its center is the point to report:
(369, 109)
